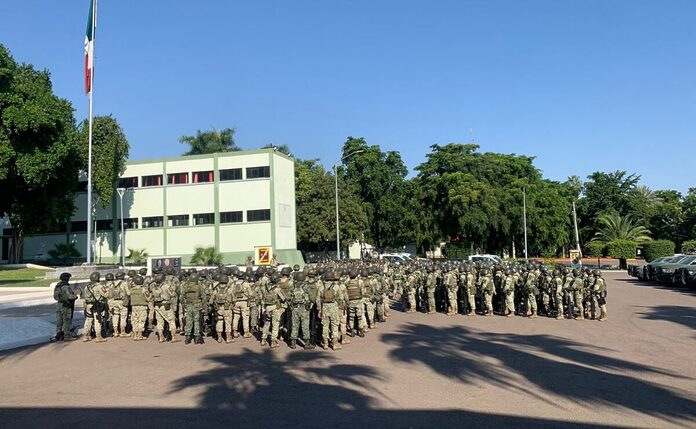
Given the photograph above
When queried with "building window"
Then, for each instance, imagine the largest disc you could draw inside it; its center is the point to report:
(152, 180)
(203, 218)
(231, 217)
(177, 178)
(178, 220)
(231, 174)
(258, 215)
(105, 225)
(153, 222)
(202, 176)
(81, 186)
(258, 172)
(78, 226)
(128, 223)
(128, 182)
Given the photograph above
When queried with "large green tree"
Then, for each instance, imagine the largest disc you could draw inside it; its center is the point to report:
(39, 151)
(109, 153)
(379, 178)
(316, 209)
(210, 142)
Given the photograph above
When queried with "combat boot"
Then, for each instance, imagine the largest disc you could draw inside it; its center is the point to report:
(58, 337)
(264, 342)
(174, 340)
(308, 345)
(235, 334)
(199, 340)
(247, 335)
(324, 345)
(350, 332)
(274, 343)
(100, 339)
(86, 338)
(293, 344)
(229, 338)
(160, 337)
(335, 345)
(361, 333)
(345, 339)
(219, 337)
(187, 340)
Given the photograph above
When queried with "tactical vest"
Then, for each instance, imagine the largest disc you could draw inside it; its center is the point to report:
(284, 284)
(328, 296)
(191, 294)
(271, 297)
(221, 296)
(239, 293)
(297, 296)
(117, 290)
(138, 296)
(157, 293)
(353, 288)
(368, 292)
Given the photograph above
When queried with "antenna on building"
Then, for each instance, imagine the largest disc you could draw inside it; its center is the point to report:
(471, 133)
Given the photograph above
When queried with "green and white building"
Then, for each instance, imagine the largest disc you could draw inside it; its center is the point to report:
(234, 201)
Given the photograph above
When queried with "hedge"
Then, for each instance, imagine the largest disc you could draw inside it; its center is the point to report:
(657, 249)
(595, 249)
(622, 249)
(689, 246)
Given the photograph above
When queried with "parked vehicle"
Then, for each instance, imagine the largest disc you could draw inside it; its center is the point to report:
(651, 268)
(685, 272)
(489, 259)
(665, 271)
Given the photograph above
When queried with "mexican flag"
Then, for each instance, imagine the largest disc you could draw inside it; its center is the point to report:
(89, 48)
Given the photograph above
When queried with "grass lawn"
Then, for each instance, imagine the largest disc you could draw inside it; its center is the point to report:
(23, 277)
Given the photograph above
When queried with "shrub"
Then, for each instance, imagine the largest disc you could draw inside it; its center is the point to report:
(64, 252)
(137, 256)
(657, 249)
(595, 249)
(689, 246)
(206, 256)
(622, 250)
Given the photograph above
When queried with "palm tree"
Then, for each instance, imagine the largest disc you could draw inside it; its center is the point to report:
(615, 227)
(210, 141)
(137, 256)
(206, 256)
(646, 194)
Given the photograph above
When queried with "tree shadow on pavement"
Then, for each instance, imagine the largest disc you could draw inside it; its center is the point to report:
(540, 364)
(681, 315)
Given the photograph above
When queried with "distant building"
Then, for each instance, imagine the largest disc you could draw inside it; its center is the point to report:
(233, 201)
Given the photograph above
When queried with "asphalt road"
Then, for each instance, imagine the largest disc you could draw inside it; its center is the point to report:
(635, 370)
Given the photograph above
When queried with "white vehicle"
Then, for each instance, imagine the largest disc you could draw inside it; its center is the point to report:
(491, 259)
(394, 257)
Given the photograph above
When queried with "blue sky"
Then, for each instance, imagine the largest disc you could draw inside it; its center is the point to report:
(582, 85)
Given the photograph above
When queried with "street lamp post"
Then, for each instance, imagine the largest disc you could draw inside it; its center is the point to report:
(122, 191)
(338, 227)
(524, 205)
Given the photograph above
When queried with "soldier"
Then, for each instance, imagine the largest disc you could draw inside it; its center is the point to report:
(118, 304)
(430, 286)
(568, 293)
(470, 289)
(163, 298)
(195, 300)
(139, 297)
(313, 284)
(285, 284)
(147, 281)
(410, 288)
(508, 287)
(356, 314)
(452, 286)
(96, 296)
(328, 300)
(557, 290)
(531, 292)
(545, 284)
(273, 305)
(599, 293)
(368, 298)
(249, 262)
(65, 303)
(257, 298)
(300, 306)
(343, 309)
(579, 290)
(222, 301)
(242, 294)
(488, 290)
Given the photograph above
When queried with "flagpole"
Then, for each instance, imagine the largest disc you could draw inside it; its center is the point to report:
(89, 144)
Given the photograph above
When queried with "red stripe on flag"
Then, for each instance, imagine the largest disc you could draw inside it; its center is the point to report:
(88, 76)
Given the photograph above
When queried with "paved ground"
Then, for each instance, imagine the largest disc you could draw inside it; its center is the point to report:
(635, 370)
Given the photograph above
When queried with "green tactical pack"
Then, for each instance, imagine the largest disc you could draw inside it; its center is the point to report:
(328, 296)
(353, 287)
(138, 296)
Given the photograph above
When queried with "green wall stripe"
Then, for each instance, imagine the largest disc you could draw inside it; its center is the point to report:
(216, 178)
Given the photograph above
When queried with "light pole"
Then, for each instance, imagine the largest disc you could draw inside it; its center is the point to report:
(122, 191)
(524, 208)
(338, 228)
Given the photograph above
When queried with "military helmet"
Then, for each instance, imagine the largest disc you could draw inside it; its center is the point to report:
(159, 277)
(94, 277)
(364, 272)
(241, 274)
(142, 271)
(131, 273)
(286, 271)
(156, 270)
(352, 273)
(300, 276)
(64, 277)
(194, 276)
(223, 278)
(120, 275)
(576, 273)
(312, 272)
(138, 280)
(109, 277)
(275, 277)
(296, 267)
(508, 272)
(192, 270)
(596, 272)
